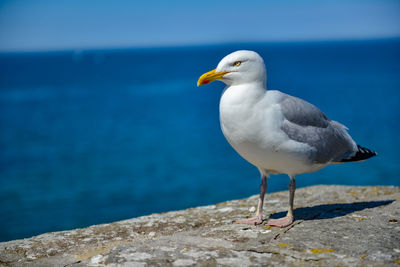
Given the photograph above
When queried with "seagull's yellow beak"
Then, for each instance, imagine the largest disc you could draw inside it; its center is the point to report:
(210, 76)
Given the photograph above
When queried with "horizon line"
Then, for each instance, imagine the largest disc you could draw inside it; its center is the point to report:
(194, 45)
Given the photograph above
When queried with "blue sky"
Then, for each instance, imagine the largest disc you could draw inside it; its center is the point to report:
(58, 25)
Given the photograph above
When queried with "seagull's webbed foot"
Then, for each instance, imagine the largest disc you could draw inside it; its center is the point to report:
(282, 222)
(252, 221)
(258, 219)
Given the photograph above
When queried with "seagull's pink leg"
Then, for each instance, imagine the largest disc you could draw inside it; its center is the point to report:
(258, 219)
(288, 219)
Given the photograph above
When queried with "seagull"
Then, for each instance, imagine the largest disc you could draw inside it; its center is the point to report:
(276, 132)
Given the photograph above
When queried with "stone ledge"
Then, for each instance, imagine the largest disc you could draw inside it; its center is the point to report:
(335, 225)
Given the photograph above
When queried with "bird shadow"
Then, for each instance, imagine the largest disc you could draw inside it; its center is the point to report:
(329, 211)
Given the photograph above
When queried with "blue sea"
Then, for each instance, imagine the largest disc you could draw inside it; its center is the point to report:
(89, 137)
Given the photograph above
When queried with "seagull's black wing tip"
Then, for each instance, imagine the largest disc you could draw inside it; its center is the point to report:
(361, 154)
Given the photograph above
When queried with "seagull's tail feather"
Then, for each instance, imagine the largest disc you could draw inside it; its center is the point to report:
(361, 154)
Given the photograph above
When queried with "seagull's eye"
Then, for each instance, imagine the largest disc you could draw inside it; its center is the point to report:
(237, 63)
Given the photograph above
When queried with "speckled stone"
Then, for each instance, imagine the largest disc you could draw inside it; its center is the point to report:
(335, 226)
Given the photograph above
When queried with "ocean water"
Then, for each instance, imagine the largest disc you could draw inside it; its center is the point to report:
(89, 137)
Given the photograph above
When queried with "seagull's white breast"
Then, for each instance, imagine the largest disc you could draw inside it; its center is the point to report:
(251, 121)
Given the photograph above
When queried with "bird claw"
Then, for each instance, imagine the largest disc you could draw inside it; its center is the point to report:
(252, 221)
(282, 222)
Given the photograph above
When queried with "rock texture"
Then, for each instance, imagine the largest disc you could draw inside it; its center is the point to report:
(335, 226)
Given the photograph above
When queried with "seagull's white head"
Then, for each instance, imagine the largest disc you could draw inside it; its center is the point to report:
(239, 67)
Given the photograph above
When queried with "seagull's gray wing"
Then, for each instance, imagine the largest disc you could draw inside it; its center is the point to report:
(305, 123)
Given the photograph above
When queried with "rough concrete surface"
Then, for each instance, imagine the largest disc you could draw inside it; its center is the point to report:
(335, 226)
